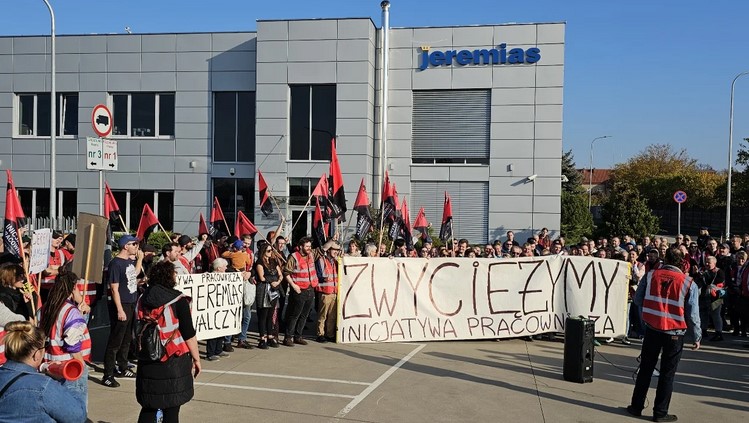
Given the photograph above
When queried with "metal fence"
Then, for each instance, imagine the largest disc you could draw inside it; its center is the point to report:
(692, 219)
(65, 224)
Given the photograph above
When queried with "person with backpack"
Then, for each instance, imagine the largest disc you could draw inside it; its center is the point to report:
(66, 330)
(166, 367)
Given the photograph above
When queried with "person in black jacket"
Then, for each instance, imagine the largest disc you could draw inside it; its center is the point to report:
(12, 278)
(167, 384)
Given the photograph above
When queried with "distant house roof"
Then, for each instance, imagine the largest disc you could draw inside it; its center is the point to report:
(600, 176)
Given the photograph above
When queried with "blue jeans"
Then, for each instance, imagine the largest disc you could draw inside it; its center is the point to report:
(246, 316)
(79, 387)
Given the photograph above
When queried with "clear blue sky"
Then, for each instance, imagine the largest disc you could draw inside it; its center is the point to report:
(641, 71)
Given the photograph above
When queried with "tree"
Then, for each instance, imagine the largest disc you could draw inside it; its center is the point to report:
(574, 178)
(576, 218)
(740, 178)
(660, 170)
(626, 213)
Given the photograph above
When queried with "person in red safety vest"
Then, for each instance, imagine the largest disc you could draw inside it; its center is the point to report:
(327, 290)
(301, 275)
(668, 298)
(66, 330)
(56, 260)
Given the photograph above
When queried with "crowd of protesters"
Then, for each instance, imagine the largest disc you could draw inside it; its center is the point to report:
(285, 283)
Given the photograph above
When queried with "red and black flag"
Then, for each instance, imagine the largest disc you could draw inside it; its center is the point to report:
(446, 230)
(266, 206)
(218, 221)
(14, 219)
(211, 250)
(322, 194)
(243, 226)
(406, 229)
(337, 191)
(421, 224)
(318, 226)
(111, 209)
(363, 218)
(148, 223)
(388, 202)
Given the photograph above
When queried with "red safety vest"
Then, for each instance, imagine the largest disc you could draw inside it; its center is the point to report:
(2, 346)
(186, 263)
(304, 274)
(329, 276)
(55, 350)
(57, 258)
(168, 324)
(88, 290)
(665, 294)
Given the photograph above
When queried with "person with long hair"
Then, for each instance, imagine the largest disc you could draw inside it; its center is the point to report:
(66, 330)
(166, 384)
(12, 279)
(29, 396)
(268, 272)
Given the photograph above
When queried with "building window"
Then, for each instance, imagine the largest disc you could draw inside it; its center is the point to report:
(313, 121)
(143, 115)
(234, 126)
(34, 115)
(451, 126)
(235, 195)
(131, 206)
(35, 205)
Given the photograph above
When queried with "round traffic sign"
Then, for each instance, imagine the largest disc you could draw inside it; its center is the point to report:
(101, 120)
(680, 197)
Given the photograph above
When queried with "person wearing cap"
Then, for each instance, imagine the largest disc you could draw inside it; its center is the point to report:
(326, 291)
(237, 256)
(190, 250)
(56, 259)
(123, 284)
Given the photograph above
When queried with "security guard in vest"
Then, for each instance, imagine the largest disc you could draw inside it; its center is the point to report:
(301, 275)
(327, 290)
(667, 299)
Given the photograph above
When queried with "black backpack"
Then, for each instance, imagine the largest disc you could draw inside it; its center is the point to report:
(148, 339)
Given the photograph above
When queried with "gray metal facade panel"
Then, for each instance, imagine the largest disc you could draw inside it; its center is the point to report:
(470, 206)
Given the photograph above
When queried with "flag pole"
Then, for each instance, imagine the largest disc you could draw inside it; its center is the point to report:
(348, 225)
(124, 226)
(164, 230)
(300, 215)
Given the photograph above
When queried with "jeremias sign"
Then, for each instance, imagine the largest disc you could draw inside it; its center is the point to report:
(496, 56)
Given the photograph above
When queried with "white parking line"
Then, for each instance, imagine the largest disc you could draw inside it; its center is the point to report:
(259, 388)
(285, 391)
(313, 379)
(359, 398)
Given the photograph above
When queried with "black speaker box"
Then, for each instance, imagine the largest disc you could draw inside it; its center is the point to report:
(579, 351)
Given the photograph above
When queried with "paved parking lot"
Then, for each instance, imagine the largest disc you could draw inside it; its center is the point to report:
(439, 382)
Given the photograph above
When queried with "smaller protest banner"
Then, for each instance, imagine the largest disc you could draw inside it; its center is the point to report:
(216, 304)
(41, 241)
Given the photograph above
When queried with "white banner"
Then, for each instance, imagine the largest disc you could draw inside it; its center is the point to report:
(216, 304)
(394, 300)
(41, 243)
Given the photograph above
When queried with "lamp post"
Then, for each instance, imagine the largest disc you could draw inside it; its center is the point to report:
(730, 157)
(53, 129)
(590, 188)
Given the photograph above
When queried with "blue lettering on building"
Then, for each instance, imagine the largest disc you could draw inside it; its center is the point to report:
(495, 56)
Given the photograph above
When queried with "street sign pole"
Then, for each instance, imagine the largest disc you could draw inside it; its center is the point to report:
(679, 197)
(678, 220)
(101, 192)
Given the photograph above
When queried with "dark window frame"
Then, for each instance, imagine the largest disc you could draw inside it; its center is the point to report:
(67, 119)
(312, 124)
(158, 118)
(241, 135)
